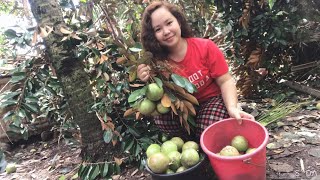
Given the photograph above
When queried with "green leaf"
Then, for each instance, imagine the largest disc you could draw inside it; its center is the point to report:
(107, 136)
(178, 80)
(191, 88)
(95, 172)
(135, 49)
(18, 76)
(133, 131)
(104, 172)
(8, 103)
(158, 81)
(31, 99)
(10, 95)
(271, 3)
(10, 33)
(96, 52)
(31, 107)
(62, 177)
(128, 144)
(135, 95)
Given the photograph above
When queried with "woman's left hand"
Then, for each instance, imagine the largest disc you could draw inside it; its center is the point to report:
(239, 115)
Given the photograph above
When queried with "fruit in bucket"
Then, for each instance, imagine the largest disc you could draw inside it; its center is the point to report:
(158, 162)
(178, 141)
(250, 150)
(168, 147)
(152, 149)
(154, 92)
(180, 169)
(146, 107)
(189, 157)
(190, 145)
(174, 157)
(240, 143)
(171, 158)
(229, 151)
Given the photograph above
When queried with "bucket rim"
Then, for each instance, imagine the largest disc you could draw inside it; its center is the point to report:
(240, 157)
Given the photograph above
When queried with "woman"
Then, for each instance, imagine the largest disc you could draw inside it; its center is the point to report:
(166, 34)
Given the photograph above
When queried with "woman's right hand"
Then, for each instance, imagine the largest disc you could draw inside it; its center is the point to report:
(143, 72)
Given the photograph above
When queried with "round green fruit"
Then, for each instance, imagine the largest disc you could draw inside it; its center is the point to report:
(180, 169)
(169, 171)
(178, 141)
(174, 157)
(158, 162)
(229, 151)
(240, 143)
(154, 92)
(168, 147)
(11, 168)
(189, 158)
(250, 150)
(161, 109)
(146, 107)
(190, 145)
(152, 149)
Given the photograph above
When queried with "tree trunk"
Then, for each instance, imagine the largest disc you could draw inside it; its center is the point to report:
(70, 72)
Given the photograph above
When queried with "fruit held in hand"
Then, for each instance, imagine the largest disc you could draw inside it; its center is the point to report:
(229, 151)
(240, 143)
(190, 145)
(158, 162)
(189, 157)
(168, 147)
(152, 149)
(154, 92)
(146, 107)
(161, 109)
(11, 168)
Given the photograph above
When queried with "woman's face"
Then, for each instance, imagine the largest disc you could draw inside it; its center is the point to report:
(166, 27)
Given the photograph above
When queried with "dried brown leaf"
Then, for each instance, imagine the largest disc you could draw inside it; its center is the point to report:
(118, 161)
(128, 112)
(173, 108)
(190, 107)
(65, 31)
(190, 98)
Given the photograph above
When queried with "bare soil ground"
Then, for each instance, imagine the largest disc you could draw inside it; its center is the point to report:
(293, 152)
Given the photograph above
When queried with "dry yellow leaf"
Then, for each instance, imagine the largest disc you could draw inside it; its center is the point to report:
(169, 85)
(138, 115)
(190, 107)
(128, 112)
(65, 31)
(121, 60)
(190, 98)
(174, 109)
(179, 89)
(118, 161)
(165, 100)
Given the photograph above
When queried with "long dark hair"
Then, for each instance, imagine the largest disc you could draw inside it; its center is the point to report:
(148, 39)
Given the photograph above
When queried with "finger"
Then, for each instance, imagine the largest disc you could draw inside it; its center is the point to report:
(141, 66)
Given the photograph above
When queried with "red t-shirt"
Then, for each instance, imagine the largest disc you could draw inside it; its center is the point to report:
(202, 63)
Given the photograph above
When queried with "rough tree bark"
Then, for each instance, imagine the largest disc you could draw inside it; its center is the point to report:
(70, 72)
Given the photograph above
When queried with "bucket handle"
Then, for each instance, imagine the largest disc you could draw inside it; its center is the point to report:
(248, 161)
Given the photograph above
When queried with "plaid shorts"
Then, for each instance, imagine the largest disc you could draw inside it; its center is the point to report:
(208, 113)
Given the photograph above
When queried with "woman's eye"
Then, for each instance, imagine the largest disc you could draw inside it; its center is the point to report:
(170, 22)
(156, 30)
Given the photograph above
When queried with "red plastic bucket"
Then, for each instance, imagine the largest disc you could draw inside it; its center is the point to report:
(250, 166)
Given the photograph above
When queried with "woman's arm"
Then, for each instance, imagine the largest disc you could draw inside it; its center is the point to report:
(230, 97)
